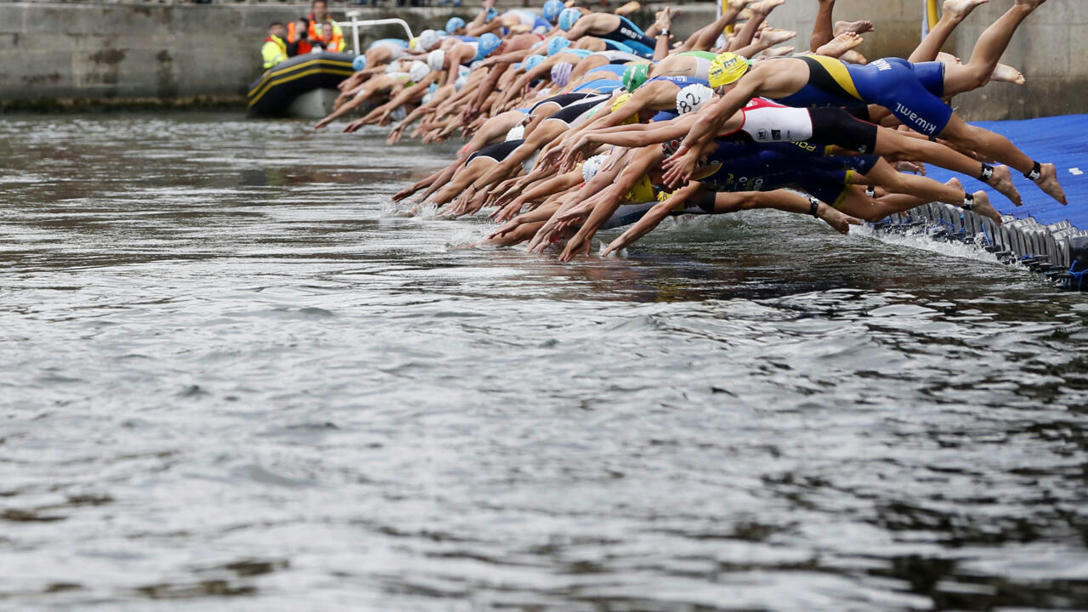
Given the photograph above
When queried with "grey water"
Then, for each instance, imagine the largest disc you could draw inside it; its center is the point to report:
(232, 378)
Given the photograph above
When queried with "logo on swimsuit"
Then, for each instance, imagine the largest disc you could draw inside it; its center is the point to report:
(881, 64)
(629, 33)
(776, 134)
(917, 122)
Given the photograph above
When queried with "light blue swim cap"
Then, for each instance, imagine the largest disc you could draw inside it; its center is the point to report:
(568, 17)
(557, 44)
(456, 23)
(359, 63)
(488, 43)
(533, 61)
(491, 14)
(551, 10)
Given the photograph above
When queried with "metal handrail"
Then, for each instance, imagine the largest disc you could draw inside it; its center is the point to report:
(355, 24)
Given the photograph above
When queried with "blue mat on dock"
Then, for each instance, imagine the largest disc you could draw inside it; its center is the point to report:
(1062, 141)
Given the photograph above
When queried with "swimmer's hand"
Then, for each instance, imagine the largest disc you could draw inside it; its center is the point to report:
(680, 166)
(577, 245)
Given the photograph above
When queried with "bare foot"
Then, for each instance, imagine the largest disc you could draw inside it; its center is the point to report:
(983, 207)
(860, 27)
(1007, 74)
(1002, 182)
(775, 36)
(948, 58)
(841, 44)
(779, 51)
(853, 57)
(739, 4)
(960, 9)
(838, 220)
(766, 6)
(1048, 182)
(912, 167)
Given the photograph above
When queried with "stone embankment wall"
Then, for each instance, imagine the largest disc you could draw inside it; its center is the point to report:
(55, 54)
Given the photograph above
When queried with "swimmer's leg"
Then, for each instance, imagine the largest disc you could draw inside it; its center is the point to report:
(974, 138)
(900, 145)
(822, 30)
(988, 50)
(786, 201)
(953, 12)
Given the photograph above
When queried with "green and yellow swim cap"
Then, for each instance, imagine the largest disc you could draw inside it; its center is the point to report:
(727, 68)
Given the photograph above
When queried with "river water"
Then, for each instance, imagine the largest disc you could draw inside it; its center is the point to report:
(231, 378)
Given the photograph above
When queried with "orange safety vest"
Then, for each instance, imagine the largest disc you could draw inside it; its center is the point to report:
(304, 46)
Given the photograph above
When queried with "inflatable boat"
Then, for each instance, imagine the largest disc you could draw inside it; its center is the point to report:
(303, 86)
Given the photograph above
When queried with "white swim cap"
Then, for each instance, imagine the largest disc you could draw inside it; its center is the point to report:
(692, 98)
(591, 167)
(418, 72)
(516, 133)
(436, 59)
(460, 82)
(428, 39)
(463, 71)
(427, 98)
(393, 66)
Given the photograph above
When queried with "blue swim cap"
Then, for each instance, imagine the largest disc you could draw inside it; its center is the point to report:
(456, 23)
(533, 61)
(488, 43)
(551, 10)
(557, 44)
(568, 17)
(359, 63)
(491, 14)
(433, 87)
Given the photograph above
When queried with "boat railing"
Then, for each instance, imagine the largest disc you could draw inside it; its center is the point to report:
(355, 24)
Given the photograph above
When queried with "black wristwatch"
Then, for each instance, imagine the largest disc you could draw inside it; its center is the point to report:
(664, 32)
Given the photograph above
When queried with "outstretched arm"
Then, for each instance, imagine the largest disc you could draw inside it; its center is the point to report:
(653, 218)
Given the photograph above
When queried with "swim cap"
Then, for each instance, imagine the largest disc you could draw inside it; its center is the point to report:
(643, 191)
(635, 75)
(692, 98)
(532, 62)
(393, 66)
(454, 23)
(428, 39)
(463, 71)
(418, 72)
(516, 133)
(726, 69)
(551, 10)
(460, 82)
(427, 98)
(561, 73)
(414, 44)
(557, 44)
(359, 63)
(567, 18)
(591, 167)
(488, 43)
(433, 87)
(436, 59)
(491, 14)
(620, 101)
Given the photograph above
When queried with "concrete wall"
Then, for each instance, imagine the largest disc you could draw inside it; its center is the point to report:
(183, 54)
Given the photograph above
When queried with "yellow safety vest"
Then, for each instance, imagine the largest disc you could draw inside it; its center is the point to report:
(273, 51)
